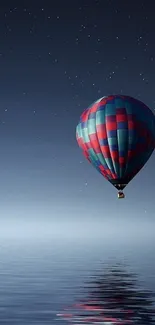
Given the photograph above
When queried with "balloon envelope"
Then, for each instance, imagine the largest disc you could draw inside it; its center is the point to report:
(117, 136)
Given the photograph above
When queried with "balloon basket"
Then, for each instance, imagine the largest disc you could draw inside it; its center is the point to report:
(120, 195)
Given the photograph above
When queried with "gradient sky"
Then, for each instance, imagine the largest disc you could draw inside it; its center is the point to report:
(56, 58)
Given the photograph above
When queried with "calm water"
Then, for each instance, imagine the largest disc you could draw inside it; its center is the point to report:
(38, 278)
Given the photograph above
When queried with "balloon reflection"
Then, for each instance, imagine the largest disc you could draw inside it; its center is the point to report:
(114, 297)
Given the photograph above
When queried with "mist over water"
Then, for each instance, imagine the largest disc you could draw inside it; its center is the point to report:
(41, 274)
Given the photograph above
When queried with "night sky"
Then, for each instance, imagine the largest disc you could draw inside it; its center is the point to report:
(56, 58)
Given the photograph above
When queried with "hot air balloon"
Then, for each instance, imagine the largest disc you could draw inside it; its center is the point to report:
(117, 136)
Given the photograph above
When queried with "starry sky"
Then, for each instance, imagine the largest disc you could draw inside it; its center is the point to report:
(56, 58)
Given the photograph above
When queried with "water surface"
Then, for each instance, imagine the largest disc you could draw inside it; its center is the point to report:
(38, 278)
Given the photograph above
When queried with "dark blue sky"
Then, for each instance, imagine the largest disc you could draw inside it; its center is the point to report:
(56, 58)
